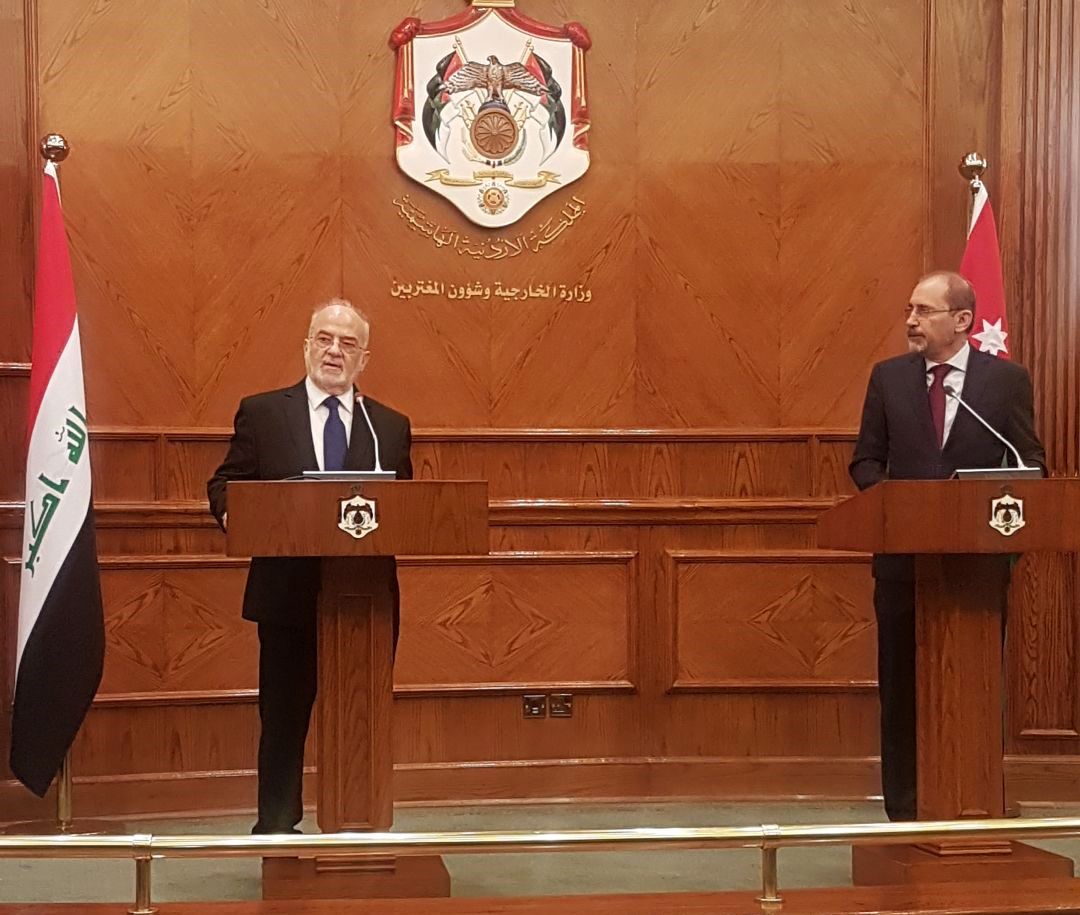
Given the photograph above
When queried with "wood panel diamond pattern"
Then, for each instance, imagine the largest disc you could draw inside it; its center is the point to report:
(767, 622)
(175, 629)
(810, 621)
(516, 619)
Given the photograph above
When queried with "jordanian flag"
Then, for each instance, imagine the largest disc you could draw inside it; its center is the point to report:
(61, 642)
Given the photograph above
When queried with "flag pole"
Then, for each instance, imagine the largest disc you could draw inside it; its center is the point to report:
(63, 795)
(54, 148)
(981, 264)
(972, 167)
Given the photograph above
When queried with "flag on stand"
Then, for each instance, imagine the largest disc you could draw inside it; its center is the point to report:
(61, 640)
(981, 266)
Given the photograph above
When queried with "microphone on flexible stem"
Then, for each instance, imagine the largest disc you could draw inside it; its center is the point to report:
(375, 438)
(951, 392)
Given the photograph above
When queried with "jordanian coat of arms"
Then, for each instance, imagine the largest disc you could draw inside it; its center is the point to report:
(490, 109)
(356, 516)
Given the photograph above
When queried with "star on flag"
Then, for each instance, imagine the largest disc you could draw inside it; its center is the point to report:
(981, 265)
(991, 338)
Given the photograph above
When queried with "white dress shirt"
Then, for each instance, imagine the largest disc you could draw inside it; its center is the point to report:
(318, 413)
(955, 380)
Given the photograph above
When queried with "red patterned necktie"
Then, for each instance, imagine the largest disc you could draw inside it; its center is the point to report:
(937, 400)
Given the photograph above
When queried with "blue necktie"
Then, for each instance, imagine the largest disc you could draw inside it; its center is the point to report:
(334, 442)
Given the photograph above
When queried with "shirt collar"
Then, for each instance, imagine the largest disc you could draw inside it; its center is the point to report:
(958, 361)
(316, 395)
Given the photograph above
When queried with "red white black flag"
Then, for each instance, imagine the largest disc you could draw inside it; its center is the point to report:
(981, 266)
(61, 641)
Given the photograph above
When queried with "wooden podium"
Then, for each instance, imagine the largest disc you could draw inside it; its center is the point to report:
(960, 583)
(354, 526)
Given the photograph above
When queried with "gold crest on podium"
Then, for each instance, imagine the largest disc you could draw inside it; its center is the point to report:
(1007, 515)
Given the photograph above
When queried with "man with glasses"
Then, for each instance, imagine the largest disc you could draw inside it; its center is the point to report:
(317, 424)
(912, 429)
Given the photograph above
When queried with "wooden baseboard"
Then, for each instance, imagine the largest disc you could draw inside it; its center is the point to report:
(1034, 780)
(730, 778)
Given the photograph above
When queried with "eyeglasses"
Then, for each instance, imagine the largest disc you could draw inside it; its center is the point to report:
(350, 346)
(923, 311)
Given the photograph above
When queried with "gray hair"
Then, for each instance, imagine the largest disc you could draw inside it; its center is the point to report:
(341, 303)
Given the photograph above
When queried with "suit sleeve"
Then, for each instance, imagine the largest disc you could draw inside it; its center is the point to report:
(404, 468)
(869, 463)
(1022, 424)
(241, 463)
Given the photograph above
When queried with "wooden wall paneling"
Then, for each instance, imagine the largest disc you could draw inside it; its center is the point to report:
(1046, 779)
(729, 724)
(124, 467)
(9, 597)
(768, 179)
(963, 114)
(768, 621)
(477, 635)
(1041, 227)
(141, 464)
(1043, 659)
(146, 739)
(155, 530)
(850, 171)
(657, 466)
(562, 365)
(189, 458)
(113, 80)
(830, 456)
(16, 174)
(17, 160)
(173, 625)
(762, 698)
(265, 164)
(631, 464)
(1040, 231)
(508, 537)
(744, 469)
(525, 621)
(708, 214)
(762, 726)
(492, 729)
(14, 391)
(735, 778)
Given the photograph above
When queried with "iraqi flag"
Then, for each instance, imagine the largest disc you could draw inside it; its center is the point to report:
(61, 642)
(981, 266)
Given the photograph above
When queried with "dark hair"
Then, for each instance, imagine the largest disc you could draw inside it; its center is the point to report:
(959, 293)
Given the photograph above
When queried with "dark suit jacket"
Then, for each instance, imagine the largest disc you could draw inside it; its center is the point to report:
(896, 437)
(272, 441)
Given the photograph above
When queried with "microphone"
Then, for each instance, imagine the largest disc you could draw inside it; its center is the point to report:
(375, 438)
(951, 391)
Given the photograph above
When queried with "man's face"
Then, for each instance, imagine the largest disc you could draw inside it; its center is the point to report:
(932, 329)
(335, 350)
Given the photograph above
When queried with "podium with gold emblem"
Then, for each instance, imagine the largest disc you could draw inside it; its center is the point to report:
(354, 526)
(958, 531)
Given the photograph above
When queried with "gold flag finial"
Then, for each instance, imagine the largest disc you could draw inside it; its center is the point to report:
(972, 167)
(54, 147)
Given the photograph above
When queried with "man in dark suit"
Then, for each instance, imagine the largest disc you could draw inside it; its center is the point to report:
(914, 429)
(321, 423)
